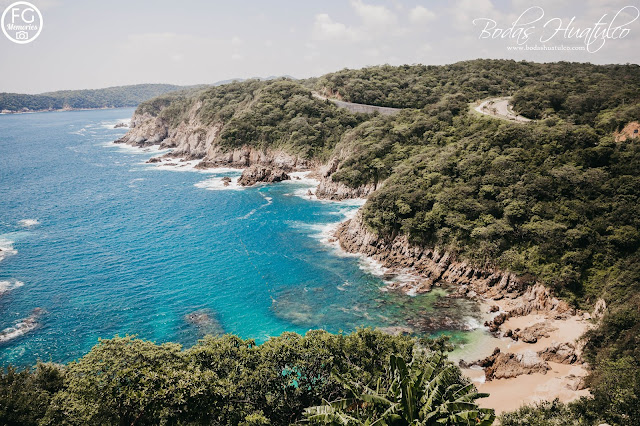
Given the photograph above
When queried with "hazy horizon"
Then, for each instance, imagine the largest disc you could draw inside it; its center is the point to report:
(96, 45)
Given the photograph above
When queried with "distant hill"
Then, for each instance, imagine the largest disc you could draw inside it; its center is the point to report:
(110, 97)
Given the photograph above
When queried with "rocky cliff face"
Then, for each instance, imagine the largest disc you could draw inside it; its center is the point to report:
(338, 191)
(259, 173)
(435, 267)
(146, 130)
(247, 156)
(192, 140)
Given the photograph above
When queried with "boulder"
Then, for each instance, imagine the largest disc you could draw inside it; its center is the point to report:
(259, 173)
(532, 333)
(563, 353)
(500, 365)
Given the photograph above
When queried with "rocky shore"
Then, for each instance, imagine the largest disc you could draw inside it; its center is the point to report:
(535, 335)
(259, 173)
(191, 140)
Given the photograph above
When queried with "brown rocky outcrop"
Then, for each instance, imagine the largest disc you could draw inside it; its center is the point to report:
(435, 266)
(563, 353)
(500, 365)
(330, 190)
(532, 333)
(258, 173)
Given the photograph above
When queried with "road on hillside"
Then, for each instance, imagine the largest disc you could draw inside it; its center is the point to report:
(362, 108)
(499, 107)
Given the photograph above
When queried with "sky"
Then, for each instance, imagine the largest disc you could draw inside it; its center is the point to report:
(88, 44)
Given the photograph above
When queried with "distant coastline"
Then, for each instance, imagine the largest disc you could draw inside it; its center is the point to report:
(7, 112)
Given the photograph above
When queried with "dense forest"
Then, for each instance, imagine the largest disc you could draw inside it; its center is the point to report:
(555, 200)
(111, 97)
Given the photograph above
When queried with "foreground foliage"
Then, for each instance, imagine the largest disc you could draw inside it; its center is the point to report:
(425, 391)
(221, 380)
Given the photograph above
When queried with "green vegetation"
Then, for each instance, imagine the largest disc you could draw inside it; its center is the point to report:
(111, 97)
(223, 380)
(279, 114)
(555, 200)
(575, 90)
(426, 391)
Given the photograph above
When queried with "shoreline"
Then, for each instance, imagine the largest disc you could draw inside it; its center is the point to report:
(544, 362)
(6, 112)
(522, 305)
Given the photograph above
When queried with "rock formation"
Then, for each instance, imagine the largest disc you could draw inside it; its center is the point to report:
(259, 173)
(435, 267)
(500, 365)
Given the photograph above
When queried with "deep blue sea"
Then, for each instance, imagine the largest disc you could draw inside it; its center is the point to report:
(96, 243)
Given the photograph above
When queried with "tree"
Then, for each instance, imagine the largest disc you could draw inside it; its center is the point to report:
(426, 391)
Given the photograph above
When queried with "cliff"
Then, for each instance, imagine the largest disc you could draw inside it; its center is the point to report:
(193, 140)
(436, 267)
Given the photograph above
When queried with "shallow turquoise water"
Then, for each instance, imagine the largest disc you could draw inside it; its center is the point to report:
(123, 247)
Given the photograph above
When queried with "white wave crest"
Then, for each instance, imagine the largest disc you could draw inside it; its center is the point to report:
(21, 328)
(6, 248)
(28, 223)
(218, 184)
(7, 286)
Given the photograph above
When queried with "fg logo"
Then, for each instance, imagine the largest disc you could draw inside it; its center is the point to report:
(22, 35)
(21, 22)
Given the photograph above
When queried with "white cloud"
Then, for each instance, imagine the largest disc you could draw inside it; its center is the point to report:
(465, 11)
(421, 15)
(374, 15)
(325, 28)
(375, 22)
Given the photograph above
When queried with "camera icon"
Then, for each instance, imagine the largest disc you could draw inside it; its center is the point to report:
(22, 35)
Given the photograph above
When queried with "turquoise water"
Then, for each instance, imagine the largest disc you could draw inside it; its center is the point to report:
(98, 243)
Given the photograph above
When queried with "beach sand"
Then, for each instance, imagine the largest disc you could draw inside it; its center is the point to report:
(561, 381)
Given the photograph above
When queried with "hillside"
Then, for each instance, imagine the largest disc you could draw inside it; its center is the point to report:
(553, 201)
(541, 216)
(111, 97)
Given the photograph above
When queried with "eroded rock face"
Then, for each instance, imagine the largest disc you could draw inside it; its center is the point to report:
(563, 353)
(501, 365)
(338, 191)
(532, 333)
(435, 266)
(146, 130)
(259, 173)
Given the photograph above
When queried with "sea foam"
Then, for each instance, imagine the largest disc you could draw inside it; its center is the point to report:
(7, 286)
(6, 248)
(28, 223)
(21, 328)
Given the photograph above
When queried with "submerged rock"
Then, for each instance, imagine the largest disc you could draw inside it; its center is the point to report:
(205, 322)
(259, 173)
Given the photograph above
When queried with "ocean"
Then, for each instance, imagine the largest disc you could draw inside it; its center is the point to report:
(96, 243)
